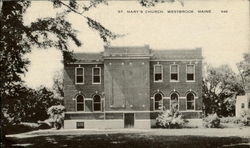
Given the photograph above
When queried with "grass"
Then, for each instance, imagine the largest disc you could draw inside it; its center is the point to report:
(154, 138)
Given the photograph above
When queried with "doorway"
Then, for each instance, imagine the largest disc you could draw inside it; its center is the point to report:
(129, 120)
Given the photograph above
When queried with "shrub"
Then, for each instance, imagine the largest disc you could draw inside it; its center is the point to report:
(170, 119)
(56, 115)
(211, 121)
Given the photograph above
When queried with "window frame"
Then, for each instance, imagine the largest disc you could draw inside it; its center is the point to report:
(83, 103)
(94, 75)
(178, 100)
(93, 104)
(189, 73)
(161, 101)
(190, 101)
(77, 75)
(178, 71)
(158, 73)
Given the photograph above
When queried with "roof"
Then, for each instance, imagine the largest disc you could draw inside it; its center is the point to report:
(88, 57)
(135, 51)
(127, 51)
(177, 54)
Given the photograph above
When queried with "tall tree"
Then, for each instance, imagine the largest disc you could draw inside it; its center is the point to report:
(244, 70)
(18, 39)
(220, 87)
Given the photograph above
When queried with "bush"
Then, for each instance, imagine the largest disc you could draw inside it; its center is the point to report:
(56, 115)
(211, 121)
(20, 128)
(170, 119)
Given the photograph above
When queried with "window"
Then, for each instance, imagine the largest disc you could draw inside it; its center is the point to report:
(174, 101)
(79, 75)
(174, 73)
(242, 105)
(190, 101)
(158, 70)
(158, 101)
(190, 72)
(79, 125)
(79, 103)
(96, 75)
(97, 103)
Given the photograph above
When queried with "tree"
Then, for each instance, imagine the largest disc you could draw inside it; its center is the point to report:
(18, 39)
(244, 70)
(219, 90)
(58, 84)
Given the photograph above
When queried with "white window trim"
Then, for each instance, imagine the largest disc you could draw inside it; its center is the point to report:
(158, 101)
(161, 73)
(93, 103)
(178, 75)
(82, 75)
(81, 102)
(99, 75)
(187, 73)
(178, 100)
(189, 101)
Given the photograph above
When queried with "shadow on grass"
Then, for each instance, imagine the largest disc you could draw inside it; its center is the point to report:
(127, 140)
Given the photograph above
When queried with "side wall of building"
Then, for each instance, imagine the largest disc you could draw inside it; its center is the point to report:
(88, 90)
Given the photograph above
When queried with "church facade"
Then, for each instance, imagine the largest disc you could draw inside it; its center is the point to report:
(127, 87)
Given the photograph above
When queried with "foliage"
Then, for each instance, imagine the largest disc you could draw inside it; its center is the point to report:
(56, 114)
(152, 3)
(21, 128)
(27, 105)
(211, 121)
(170, 119)
(244, 70)
(220, 88)
(58, 84)
(17, 39)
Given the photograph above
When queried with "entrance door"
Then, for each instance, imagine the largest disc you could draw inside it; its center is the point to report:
(129, 120)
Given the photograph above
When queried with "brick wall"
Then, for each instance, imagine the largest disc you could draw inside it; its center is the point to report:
(87, 89)
(127, 84)
(182, 87)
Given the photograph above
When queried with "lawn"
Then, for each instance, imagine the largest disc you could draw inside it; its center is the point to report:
(153, 138)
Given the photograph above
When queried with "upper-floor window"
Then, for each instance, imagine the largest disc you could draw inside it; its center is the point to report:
(190, 72)
(174, 73)
(96, 75)
(242, 105)
(190, 101)
(158, 73)
(97, 103)
(79, 75)
(158, 101)
(79, 103)
(174, 101)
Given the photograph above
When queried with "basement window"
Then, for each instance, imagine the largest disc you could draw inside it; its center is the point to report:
(79, 125)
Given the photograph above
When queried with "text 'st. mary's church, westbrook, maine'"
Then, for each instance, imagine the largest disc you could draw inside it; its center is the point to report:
(126, 87)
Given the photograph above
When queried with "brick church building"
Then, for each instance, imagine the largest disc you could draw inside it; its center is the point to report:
(129, 86)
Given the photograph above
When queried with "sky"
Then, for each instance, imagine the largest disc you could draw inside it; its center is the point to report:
(223, 37)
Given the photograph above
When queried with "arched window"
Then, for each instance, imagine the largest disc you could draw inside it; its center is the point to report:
(190, 101)
(97, 103)
(174, 101)
(79, 103)
(158, 101)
